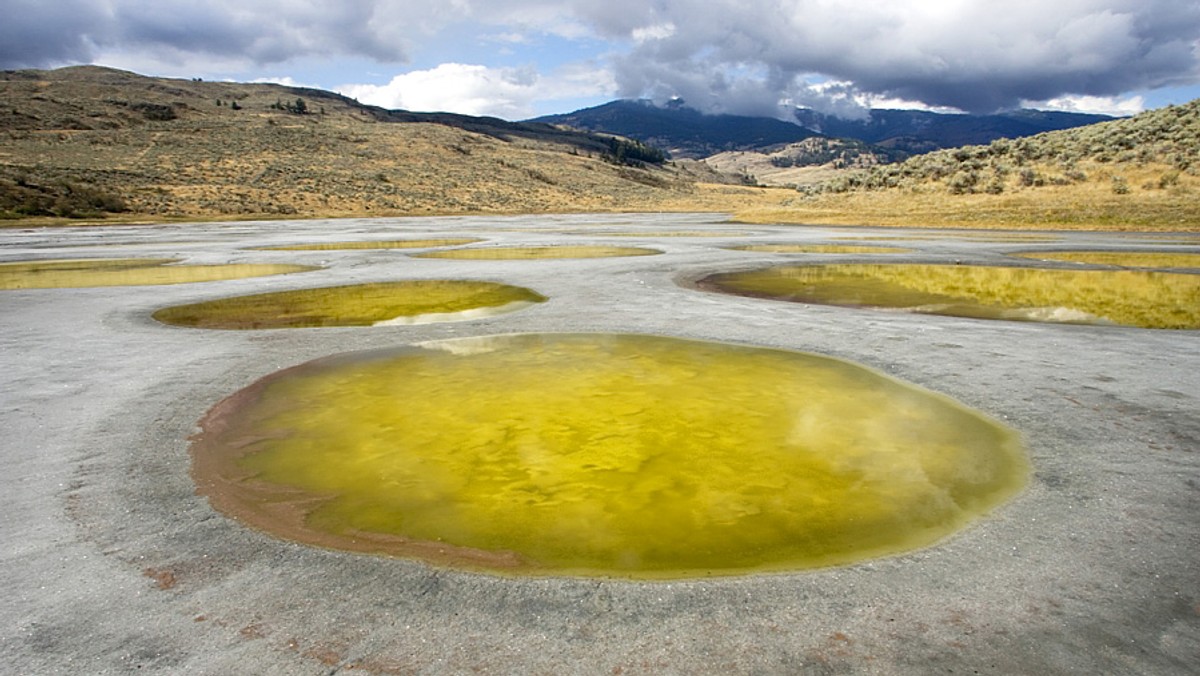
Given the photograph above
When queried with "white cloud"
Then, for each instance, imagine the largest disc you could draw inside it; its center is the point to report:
(508, 38)
(660, 31)
(970, 54)
(1103, 105)
(508, 93)
(285, 81)
(975, 55)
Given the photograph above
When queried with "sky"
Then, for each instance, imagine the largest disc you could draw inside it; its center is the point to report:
(517, 59)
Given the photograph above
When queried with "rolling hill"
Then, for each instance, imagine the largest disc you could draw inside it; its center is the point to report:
(1141, 172)
(88, 141)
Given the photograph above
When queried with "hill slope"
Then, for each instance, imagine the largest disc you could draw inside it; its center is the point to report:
(82, 141)
(1132, 173)
(1164, 141)
(810, 161)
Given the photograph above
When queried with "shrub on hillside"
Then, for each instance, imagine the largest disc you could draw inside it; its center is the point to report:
(630, 152)
(22, 196)
(155, 111)
(1168, 136)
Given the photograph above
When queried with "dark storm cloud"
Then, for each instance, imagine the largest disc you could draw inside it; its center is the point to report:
(40, 34)
(729, 55)
(977, 56)
(36, 34)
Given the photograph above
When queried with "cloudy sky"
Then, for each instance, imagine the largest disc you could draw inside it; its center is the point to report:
(520, 58)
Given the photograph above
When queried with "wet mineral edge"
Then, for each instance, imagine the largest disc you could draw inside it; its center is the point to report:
(612, 455)
(1145, 299)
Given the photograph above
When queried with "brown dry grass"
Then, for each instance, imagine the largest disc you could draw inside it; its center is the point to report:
(86, 129)
(1090, 205)
(82, 127)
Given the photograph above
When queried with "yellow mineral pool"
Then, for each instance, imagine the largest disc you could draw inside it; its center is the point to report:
(627, 456)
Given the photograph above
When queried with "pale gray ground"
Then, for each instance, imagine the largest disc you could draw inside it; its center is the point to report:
(110, 563)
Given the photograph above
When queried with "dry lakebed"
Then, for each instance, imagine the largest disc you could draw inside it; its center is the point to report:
(823, 526)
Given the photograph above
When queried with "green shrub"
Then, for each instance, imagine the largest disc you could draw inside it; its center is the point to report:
(632, 153)
(155, 111)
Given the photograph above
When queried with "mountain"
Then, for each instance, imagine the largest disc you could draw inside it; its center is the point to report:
(84, 141)
(686, 132)
(1161, 147)
(681, 131)
(919, 131)
(1126, 174)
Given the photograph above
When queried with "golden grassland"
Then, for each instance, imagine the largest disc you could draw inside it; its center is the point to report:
(97, 146)
(1138, 173)
(1091, 205)
(92, 145)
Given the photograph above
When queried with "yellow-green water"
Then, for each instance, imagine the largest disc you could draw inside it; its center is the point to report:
(538, 252)
(409, 302)
(61, 274)
(819, 248)
(1125, 259)
(1130, 297)
(603, 455)
(385, 244)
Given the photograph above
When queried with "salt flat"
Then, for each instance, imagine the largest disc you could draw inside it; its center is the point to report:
(111, 563)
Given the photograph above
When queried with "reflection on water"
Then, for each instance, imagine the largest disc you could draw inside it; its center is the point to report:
(538, 252)
(629, 456)
(819, 248)
(60, 274)
(1134, 298)
(1125, 259)
(409, 302)
(387, 244)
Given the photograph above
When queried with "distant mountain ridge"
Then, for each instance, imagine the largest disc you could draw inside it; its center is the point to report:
(920, 131)
(686, 132)
(679, 130)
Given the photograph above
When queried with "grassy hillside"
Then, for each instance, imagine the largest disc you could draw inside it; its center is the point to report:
(811, 161)
(89, 142)
(1136, 173)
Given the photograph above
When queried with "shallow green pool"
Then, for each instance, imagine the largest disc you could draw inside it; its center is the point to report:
(407, 302)
(1130, 297)
(88, 272)
(1125, 259)
(603, 455)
